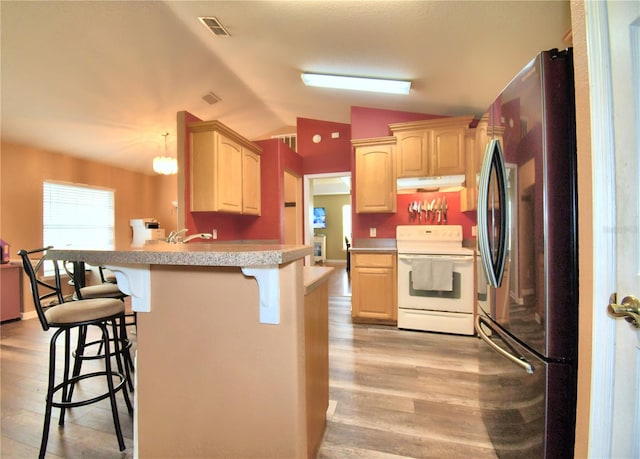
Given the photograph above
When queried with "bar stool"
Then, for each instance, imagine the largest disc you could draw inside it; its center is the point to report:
(86, 292)
(75, 272)
(65, 317)
(107, 277)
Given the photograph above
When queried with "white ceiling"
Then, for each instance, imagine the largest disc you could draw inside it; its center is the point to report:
(104, 79)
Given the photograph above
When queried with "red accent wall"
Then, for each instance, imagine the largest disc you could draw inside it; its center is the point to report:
(371, 122)
(367, 123)
(385, 224)
(275, 158)
(329, 155)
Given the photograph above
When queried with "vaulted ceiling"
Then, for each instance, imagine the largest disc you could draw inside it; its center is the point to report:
(104, 79)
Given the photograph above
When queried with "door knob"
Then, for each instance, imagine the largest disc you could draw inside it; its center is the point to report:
(629, 309)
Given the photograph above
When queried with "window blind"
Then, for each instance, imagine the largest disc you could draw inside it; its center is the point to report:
(78, 216)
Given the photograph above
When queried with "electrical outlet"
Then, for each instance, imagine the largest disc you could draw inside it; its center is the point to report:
(372, 232)
(474, 231)
(214, 233)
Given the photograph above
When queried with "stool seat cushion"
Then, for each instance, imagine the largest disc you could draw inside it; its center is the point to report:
(100, 291)
(83, 310)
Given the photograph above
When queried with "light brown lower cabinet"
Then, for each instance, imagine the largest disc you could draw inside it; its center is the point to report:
(374, 295)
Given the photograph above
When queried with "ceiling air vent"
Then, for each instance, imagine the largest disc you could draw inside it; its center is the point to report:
(211, 98)
(290, 139)
(214, 26)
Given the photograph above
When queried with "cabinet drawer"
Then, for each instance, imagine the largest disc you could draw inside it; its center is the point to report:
(385, 260)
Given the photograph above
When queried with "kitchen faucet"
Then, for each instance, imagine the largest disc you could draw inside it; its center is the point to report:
(197, 236)
(177, 237)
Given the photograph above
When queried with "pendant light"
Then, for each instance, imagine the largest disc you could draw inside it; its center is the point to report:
(165, 165)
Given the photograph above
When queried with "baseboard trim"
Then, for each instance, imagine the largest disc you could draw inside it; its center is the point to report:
(28, 315)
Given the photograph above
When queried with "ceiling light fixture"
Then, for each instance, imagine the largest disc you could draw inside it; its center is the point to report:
(356, 83)
(165, 165)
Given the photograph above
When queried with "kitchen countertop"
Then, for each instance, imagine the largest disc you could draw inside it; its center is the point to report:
(374, 245)
(373, 249)
(190, 254)
(313, 276)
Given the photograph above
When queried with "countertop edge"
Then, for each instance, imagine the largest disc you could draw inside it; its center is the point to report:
(314, 276)
(373, 249)
(194, 255)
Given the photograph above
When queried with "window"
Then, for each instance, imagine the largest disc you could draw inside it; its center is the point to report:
(78, 216)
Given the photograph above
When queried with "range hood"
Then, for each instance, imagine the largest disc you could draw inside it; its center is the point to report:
(443, 183)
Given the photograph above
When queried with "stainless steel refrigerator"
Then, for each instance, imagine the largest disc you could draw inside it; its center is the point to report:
(527, 241)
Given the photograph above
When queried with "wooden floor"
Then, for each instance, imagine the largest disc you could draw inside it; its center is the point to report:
(397, 394)
(393, 394)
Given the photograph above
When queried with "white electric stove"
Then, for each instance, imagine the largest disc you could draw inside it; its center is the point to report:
(435, 279)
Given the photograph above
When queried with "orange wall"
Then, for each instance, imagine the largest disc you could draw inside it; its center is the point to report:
(23, 169)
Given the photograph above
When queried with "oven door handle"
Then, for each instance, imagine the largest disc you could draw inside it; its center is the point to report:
(520, 361)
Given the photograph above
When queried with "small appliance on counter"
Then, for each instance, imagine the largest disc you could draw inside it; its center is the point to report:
(145, 229)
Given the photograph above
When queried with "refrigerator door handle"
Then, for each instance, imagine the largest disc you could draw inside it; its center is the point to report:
(483, 239)
(520, 361)
(493, 266)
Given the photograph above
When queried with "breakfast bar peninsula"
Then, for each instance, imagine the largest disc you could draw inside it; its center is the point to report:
(223, 369)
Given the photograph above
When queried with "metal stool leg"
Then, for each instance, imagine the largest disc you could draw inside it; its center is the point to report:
(122, 367)
(50, 392)
(66, 390)
(112, 394)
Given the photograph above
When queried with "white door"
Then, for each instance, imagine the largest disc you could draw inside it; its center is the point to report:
(613, 44)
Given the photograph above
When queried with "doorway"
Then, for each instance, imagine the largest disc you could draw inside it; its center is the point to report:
(326, 185)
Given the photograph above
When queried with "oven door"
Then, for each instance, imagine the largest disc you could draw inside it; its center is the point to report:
(435, 282)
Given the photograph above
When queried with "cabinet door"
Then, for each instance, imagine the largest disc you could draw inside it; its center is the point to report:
(250, 183)
(216, 173)
(374, 287)
(375, 179)
(228, 175)
(476, 143)
(225, 170)
(203, 160)
(448, 151)
(412, 153)
(10, 291)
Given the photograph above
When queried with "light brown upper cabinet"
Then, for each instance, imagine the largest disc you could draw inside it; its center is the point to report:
(225, 170)
(375, 175)
(250, 182)
(475, 156)
(431, 148)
